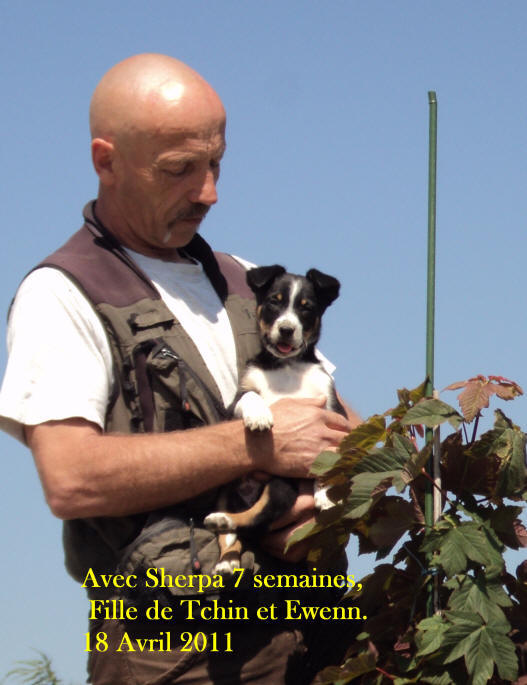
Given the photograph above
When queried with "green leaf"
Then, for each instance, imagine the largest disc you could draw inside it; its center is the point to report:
(418, 393)
(305, 531)
(414, 466)
(396, 461)
(406, 399)
(454, 546)
(495, 564)
(367, 488)
(350, 669)
(395, 465)
(432, 413)
(512, 473)
(365, 436)
(430, 634)
(442, 679)
(325, 462)
(478, 596)
(482, 645)
(383, 460)
(506, 443)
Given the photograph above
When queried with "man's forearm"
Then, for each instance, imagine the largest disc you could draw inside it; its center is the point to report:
(86, 473)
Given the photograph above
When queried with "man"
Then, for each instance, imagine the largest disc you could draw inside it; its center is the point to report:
(122, 413)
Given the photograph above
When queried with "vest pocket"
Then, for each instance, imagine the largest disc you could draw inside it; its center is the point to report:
(171, 395)
(169, 558)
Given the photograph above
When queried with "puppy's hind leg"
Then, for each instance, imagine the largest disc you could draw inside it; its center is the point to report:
(230, 554)
(219, 522)
(277, 497)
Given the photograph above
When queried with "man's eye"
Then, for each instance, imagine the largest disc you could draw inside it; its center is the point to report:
(214, 166)
(177, 171)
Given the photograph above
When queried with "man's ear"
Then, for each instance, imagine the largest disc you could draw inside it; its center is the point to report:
(261, 277)
(326, 287)
(103, 155)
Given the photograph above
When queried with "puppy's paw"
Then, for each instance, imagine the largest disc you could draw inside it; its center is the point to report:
(322, 500)
(219, 522)
(255, 413)
(259, 421)
(226, 567)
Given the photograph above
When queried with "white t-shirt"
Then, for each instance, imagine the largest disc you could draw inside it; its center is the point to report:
(59, 359)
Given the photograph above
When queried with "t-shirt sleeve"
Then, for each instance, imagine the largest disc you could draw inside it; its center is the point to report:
(59, 360)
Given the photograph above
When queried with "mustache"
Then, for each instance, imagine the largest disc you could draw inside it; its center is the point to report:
(195, 211)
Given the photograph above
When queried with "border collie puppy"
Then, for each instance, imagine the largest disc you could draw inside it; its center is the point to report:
(289, 312)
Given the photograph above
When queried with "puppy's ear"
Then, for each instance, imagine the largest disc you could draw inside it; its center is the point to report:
(326, 287)
(260, 278)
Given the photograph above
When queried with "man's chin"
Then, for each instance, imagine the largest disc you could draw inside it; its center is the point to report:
(178, 236)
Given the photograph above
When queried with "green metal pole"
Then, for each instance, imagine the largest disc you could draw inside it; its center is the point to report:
(430, 297)
(430, 308)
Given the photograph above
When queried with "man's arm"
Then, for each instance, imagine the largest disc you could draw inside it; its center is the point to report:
(87, 473)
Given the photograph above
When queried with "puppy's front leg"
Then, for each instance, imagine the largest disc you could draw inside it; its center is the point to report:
(254, 411)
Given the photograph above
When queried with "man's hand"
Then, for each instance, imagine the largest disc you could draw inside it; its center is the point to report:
(302, 429)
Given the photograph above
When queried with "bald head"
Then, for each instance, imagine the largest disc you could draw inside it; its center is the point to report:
(149, 92)
(158, 137)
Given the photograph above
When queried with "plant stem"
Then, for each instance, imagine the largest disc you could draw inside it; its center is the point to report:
(384, 673)
(475, 427)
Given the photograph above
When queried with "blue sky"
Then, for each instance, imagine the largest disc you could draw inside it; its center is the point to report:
(326, 166)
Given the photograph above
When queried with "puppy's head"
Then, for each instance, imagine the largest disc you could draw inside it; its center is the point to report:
(290, 307)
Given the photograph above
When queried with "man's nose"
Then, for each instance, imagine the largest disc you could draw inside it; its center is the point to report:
(204, 189)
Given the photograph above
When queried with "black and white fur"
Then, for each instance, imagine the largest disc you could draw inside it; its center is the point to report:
(289, 313)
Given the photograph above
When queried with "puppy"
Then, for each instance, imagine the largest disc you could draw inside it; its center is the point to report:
(289, 312)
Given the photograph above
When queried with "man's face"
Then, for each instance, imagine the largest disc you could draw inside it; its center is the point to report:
(165, 182)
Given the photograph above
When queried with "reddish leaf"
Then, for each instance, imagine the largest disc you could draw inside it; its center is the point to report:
(417, 490)
(385, 524)
(508, 527)
(456, 385)
(521, 572)
(479, 389)
(508, 392)
(461, 469)
(520, 532)
(402, 646)
(475, 397)
(506, 381)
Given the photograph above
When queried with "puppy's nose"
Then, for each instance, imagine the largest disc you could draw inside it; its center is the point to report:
(286, 330)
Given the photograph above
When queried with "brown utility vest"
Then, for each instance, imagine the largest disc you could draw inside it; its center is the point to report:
(161, 383)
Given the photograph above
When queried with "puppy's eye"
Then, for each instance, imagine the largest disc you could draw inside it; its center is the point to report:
(277, 298)
(306, 305)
